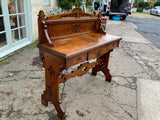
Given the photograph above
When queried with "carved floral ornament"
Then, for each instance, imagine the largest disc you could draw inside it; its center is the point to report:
(75, 28)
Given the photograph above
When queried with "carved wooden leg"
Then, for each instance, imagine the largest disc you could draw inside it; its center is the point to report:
(51, 93)
(103, 66)
(96, 69)
(46, 97)
(107, 74)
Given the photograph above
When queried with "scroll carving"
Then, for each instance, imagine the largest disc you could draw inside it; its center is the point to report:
(100, 23)
(102, 27)
(46, 34)
(81, 70)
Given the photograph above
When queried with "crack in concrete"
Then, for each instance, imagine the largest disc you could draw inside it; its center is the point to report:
(150, 70)
(154, 74)
(139, 73)
(126, 85)
(131, 85)
(128, 113)
(127, 105)
(113, 113)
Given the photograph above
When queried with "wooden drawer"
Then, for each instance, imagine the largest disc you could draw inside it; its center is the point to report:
(75, 60)
(96, 53)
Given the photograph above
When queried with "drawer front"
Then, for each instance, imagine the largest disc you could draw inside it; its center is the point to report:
(96, 53)
(75, 60)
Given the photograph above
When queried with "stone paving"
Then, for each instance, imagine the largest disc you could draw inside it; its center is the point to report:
(86, 97)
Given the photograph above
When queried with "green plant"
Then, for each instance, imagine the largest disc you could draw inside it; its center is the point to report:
(67, 4)
(157, 3)
(78, 3)
(141, 4)
(135, 4)
(146, 4)
(89, 2)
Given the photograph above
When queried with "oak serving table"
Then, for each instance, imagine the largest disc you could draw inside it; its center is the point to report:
(68, 39)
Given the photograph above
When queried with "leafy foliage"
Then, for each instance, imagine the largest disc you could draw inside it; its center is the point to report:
(143, 4)
(67, 4)
(157, 3)
(89, 2)
(146, 4)
(135, 3)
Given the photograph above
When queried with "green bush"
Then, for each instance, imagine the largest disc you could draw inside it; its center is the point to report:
(141, 4)
(146, 4)
(157, 3)
(89, 2)
(135, 4)
(67, 4)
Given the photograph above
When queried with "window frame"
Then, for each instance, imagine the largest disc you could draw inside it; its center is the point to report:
(13, 46)
(48, 4)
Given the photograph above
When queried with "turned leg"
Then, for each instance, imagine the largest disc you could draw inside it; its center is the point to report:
(103, 66)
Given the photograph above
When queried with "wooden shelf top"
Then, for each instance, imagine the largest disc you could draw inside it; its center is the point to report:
(67, 46)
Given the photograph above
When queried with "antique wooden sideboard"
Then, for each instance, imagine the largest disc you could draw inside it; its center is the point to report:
(68, 39)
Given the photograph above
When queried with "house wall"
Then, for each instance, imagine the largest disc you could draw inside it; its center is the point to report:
(36, 6)
(53, 3)
(152, 0)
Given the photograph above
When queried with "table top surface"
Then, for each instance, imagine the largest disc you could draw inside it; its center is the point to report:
(70, 45)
